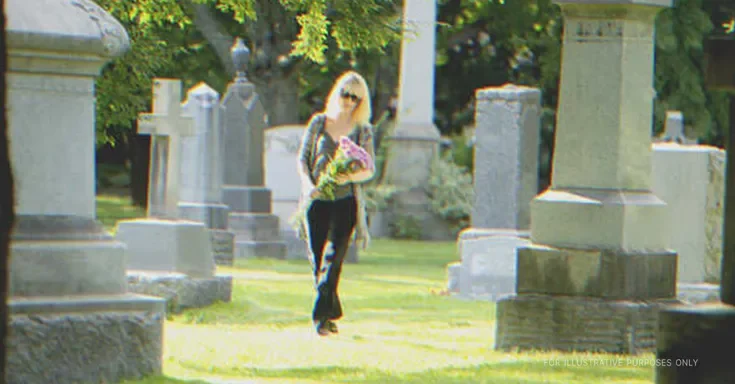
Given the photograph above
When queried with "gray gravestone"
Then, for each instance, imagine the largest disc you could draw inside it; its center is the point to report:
(162, 247)
(599, 254)
(256, 228)
(67, 275)
(690, 179)
(202, 171)
(507, 129)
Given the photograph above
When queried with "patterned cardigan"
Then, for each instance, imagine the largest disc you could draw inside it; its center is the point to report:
(306, 160)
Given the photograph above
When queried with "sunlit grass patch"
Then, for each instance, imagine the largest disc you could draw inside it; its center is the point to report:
(112, 208)
(399, 327)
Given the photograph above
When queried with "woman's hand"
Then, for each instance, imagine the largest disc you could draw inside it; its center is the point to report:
(314, 193)
(343, 179)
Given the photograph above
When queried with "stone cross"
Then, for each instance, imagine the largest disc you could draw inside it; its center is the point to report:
(166, 125)
(674, 129)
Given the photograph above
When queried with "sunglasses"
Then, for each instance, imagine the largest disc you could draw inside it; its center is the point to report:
(352, 96)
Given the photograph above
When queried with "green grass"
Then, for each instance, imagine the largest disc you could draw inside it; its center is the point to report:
(112, 208)
(399, 327)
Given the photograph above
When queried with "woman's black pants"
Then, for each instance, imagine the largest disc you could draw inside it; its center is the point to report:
(330, 225)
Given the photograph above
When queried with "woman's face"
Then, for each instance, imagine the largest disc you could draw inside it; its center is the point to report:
(349, 98)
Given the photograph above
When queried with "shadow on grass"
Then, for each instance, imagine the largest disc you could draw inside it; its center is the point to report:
(528, 371)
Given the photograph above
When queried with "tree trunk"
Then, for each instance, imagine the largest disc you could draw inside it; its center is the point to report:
(280, 97)
(277, 87)
(218, 39)
(7, 209)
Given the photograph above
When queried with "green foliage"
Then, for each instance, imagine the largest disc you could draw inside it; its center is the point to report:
(377, 197)
(168, 40)
(463, 153)
(405, 226)
(490, 43)
(679, 81)
(451, 192)
(123, 89)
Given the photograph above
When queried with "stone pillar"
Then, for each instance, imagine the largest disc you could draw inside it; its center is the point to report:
(256, 228)
(414, 143)
(202, 171)
(599, 269)
(67, 275)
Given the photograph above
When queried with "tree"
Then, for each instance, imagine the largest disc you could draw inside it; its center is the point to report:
(293, 43)
(491, 43)
(7, 213)
(286, 37)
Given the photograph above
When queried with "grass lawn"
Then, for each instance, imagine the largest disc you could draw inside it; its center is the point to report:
(398, 327)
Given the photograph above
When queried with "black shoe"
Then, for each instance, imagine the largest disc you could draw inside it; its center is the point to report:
(332, 326)
(321, 327)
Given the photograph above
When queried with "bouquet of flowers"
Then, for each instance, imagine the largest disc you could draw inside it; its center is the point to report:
(350, 158)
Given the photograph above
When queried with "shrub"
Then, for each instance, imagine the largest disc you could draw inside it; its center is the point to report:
(451, 192)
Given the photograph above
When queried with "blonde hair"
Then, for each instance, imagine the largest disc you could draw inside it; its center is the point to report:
(354, 83)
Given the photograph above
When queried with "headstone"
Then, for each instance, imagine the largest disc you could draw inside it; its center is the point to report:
(702, 336)
(282, 178)
(67, 275)
(414, 142)
(202, 171)
(282, 145)
(256, 228)
(674, 129)
(488, 269)
(163, 249)
(690, 179)
(507, 135)
(167, 127)
(507, 129)
(599, 254)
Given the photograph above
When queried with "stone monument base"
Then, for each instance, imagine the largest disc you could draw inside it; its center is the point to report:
(84, 339)
(210, 214)
(690, 293)
(167, 245)
(488, 262)
(223, 246)
(694, 344)
(257, 235)
(296, 248)
(181, 291)
(583, 324)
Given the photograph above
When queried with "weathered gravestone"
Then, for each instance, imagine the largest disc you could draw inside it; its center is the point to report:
(599, 270)
(72, 319)
(705, 333)
(414, 142)
(202, 165)
(507, 122)
(255, 227)
(168, 256)
(282, 178)
(690, 179)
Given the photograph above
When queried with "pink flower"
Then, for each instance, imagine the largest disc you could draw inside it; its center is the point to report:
(353, 151)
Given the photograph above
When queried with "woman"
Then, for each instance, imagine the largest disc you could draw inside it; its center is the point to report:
(330, 224)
